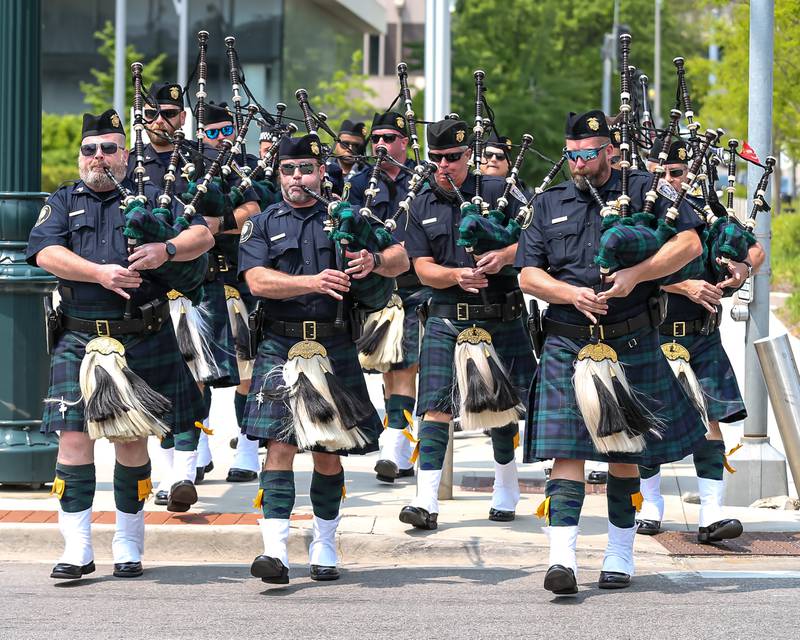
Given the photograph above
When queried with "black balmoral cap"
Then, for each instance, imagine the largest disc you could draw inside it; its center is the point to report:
(446, 134)
(106, 122)
(499, 142)
(307, 146)
(390, 120)
(168, 93)
(678, 152)
(591, 124)
(218, 112)
(354, 128)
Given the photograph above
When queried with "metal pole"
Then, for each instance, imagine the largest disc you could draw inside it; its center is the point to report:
(783, 383)
(761, 469)
(437, 59)
(608, 47)
(120, 67)
(657, 68)
(430, 59)
(182, 9)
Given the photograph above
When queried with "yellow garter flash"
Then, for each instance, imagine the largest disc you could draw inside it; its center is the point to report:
(344, 492)
(544, 509)
(636, 500)
(728, 466)
(144, 488)
(259, 499)
(409, 418)
(58, 487)
(415, 442)
(207, 430)
(386, 421)
(516, 439)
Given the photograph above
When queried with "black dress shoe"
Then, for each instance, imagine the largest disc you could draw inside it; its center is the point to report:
(323, 574)
(721, 530)
(234, 443)
(386, 471)
(128, 569)
(419, 518)
(209, 467)
(182, 495)
(560, 580)
(649, 527)
(199, 475)
(64, 571)
(162, 498)
(613, 580)
(496, 515)
(597, 477)
(241, 475)
(270, 570)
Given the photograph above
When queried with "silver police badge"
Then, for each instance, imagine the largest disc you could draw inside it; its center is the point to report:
(44, 214)
(247, 231)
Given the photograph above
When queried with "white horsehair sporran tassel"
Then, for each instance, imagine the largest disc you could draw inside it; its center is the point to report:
(381, 342)
(678, 357)
(237, 315)
(193, 334)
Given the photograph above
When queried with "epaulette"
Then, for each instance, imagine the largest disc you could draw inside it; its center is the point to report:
(67, 183)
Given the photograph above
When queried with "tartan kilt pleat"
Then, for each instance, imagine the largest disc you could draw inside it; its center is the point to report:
(155, 358)
(555, 427)
(222, 345)
(715, 374)
(268, 420)
(436, 375)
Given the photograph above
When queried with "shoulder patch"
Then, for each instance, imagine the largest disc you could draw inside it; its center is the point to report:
(247, 231)
(44, 214)
(667, 190)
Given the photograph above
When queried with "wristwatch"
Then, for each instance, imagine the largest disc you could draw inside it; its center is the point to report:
(171, 250)
(376, 258)
(749, 268)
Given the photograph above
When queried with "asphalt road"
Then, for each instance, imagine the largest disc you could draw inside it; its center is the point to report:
(222, 601)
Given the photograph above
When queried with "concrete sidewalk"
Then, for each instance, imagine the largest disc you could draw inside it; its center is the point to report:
(370, 530)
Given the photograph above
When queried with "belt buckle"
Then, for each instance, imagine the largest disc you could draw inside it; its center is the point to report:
(678, 329)
(309, 330)
(222, 263)
(102, 328)
(462, 311)
(601, 333)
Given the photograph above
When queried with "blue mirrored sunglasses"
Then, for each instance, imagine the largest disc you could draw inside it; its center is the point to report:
(227, 130)
(584, 154)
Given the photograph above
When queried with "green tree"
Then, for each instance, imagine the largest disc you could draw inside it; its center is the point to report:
(99, 95)
(61, 137)
(542, 60)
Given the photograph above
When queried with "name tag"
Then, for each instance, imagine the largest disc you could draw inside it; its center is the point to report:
(145, 178)
(76, 213)
(557, 220)
(429, 220)
(517, 193)
(278, 237)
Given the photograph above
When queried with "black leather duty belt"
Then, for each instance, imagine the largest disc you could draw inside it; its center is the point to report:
(154, 315)
(682, 328)
(217, 263)
(599, 331)
(306, 330)
(509, 310)
(407, 280)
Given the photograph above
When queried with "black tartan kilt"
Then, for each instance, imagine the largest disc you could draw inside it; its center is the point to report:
(269, 420)
(436, 375)
(555, 427)
(714, 372)
(223, 347)
(155, 358)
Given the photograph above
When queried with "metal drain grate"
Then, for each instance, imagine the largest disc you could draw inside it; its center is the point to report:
(684, 543)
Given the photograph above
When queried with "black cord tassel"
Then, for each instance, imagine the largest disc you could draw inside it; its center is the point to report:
(479, 396)
(684, 382)
(105, 402)
(242, 337)
(612, 420)
(185, 342)
(151, 400)
(372, 337)
(634, 413)
(353, 411)
(505, 395)
(318, 408)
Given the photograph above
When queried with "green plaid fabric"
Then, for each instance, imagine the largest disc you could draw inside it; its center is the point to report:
(731, 241)
(213, 202)
(555, 427)
(486, 233)
(268, 420)
(715, 374)
(267, 193)
(357, 230)
(155, 358)
(223, 347)
(626, 244)
(436, 375)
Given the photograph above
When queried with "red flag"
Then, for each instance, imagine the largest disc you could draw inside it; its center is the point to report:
(748, 153)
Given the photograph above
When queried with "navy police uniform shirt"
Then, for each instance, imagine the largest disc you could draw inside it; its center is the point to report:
(292, 241)
(433, 232)
(386, 201)
(564, 236)
(91, 225)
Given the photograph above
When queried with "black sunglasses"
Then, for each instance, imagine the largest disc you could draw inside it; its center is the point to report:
(450, 157)
(306, 168)
(488, 155)
(90, 149)
(212, 134)
(387, 137)
(676, 173)
(167, 114)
